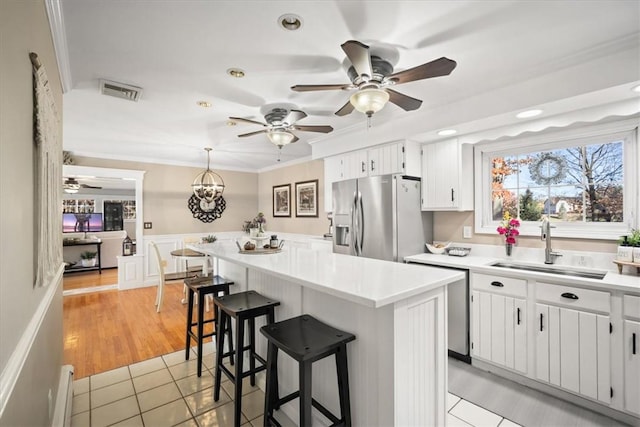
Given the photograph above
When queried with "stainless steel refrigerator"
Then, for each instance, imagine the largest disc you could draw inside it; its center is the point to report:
(380, 217)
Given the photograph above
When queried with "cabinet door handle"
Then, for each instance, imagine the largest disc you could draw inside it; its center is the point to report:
(363, 167)
(633, 343)
(518, 316)
(540, 322)
(373, 165)
(569, 295)
(498, 284)
(452, 197)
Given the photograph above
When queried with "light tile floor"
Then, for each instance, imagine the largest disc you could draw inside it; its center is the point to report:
(165, 391)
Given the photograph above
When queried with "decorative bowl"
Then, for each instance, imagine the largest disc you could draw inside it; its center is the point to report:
(437, 248)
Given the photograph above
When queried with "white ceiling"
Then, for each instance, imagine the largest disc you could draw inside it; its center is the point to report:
(511, 55)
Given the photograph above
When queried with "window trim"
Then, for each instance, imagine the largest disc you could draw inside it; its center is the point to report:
(627, 130)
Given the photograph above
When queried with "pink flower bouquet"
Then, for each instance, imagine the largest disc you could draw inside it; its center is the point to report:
(509, 229)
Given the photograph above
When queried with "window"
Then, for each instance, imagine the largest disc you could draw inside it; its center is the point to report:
(584, 180)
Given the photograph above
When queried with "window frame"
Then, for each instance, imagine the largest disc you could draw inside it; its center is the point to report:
(625, 130)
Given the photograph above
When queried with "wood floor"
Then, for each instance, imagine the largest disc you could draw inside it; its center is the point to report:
(110, 329)
(90, 279)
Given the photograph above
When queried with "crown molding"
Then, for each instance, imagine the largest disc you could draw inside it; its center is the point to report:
(56, 24)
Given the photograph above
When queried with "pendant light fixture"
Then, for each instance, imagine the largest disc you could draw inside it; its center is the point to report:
(208, 185)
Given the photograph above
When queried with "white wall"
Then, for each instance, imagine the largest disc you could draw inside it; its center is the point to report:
(27, 372)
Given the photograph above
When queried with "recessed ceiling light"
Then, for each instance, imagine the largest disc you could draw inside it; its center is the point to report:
(290, 22)
(235, 72)
(204, 104)
(528, 113)
(447, 132)
(231, 123)
(636, 88)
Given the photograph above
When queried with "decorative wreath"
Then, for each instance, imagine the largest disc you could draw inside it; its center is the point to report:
(548, 169)
(204, 211)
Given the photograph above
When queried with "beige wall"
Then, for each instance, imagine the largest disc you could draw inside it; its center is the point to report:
(448, 227)
(24, 28)
(290, 175)
(167, 190)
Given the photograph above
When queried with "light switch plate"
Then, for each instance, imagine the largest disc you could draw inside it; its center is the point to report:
(466, 232)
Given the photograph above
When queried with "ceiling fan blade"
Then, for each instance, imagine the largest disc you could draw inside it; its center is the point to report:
(403, 101)
(311, 128)
(240, 119)
(346, 109)
(90, 186)
(358, 54)
(310, 88)
(294, 116)
(439, 67)
(295, 139)
(252, 133)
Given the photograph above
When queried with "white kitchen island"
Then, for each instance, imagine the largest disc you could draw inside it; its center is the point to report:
(398, 362)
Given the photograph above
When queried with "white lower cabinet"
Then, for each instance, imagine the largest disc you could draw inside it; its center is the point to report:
(499, 329)
(631, 353)
(573, 345)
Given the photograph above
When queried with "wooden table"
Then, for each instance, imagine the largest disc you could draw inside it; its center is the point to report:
(185, 254)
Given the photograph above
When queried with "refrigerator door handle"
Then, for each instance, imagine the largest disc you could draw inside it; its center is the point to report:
(354, 222)
(361, 222)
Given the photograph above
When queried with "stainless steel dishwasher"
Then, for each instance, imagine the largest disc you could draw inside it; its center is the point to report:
(458, 317)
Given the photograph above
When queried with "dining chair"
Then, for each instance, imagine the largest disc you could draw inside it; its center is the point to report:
(162, 265)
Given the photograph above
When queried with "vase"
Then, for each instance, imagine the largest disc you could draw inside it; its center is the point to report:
(508, 247)
(260, 230)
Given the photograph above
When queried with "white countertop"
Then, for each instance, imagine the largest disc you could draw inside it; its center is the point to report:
(365, 281)
(612, 281)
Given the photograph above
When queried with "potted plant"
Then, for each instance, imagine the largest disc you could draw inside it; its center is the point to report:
(634, 241)
(88, 258)
(209, 239)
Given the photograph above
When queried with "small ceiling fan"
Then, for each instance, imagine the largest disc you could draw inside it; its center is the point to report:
(373, 76)
(71, 186)
(279, 125)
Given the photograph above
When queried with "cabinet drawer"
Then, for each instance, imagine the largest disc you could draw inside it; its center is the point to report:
(574, 297)
(631, 306)
(499, 285)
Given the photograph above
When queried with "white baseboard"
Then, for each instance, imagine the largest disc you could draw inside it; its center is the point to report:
(64, 398)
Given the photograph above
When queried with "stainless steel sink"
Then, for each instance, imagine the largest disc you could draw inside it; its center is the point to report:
(564, 271)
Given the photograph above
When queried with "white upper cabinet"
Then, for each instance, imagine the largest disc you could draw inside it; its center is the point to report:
(396, 157)
(447, 176)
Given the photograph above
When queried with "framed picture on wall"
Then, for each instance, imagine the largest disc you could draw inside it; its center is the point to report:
(282, 200)
(307, 198)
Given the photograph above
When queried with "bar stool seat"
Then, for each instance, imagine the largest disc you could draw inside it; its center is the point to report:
(243, 306)
(306, 340)
(203, 286)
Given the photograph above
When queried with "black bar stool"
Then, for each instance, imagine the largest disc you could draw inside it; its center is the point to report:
(241, 306)
(203, 286)
(306, 339)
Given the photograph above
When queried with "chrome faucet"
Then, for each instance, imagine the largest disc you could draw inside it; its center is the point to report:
(545, 234)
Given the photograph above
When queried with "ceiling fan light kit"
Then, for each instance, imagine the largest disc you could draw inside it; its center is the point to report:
(208, 185)
(369, 100)
(280, 137)
(71, 186)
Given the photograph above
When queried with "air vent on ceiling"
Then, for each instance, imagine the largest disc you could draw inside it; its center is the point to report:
(120, 90)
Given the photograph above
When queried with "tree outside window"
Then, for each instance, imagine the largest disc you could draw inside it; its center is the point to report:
(574, 184)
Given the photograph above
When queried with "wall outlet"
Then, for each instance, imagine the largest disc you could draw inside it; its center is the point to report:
(466, 232)
(582, 260)
(148, 225)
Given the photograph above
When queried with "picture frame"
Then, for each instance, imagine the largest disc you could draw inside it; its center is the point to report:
(307, 199)
(282, 200)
